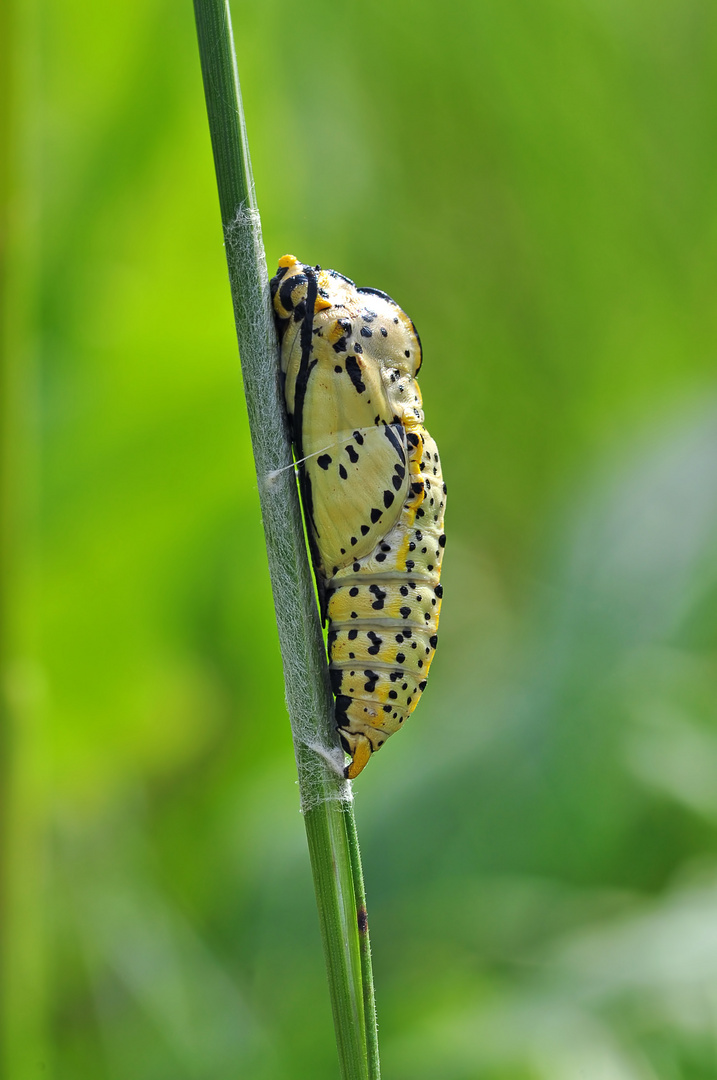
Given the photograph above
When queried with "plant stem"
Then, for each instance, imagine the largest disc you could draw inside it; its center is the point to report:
(326, 800)
(369, 998)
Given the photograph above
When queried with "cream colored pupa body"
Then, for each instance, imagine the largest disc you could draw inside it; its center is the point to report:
(373, 493)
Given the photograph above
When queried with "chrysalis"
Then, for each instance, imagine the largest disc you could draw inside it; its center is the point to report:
(372, 489)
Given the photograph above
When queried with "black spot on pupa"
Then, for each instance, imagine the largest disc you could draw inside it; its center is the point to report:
(393, 437)
(342, 472)
(354, 541)
(375, 515)
(380, 595)
(357, 347)
(438, 591)
(376, 643)
(324, 461)
(441, 542)
(340, 345)
(338, 369)
(336, 679)
(400, 658)
(352, 635)
(371, 680)
(381, 557)
(354, 591)
(275, 281)
(384, 331)
(422, 685)
(405, 612)
(365, 332)
(388, 498)
(433, 641)
(364, 530)
(353, 456)
(358, 437)
(354, 371)
(403, 590)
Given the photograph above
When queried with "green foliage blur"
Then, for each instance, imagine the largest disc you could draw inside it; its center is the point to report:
(535, 183)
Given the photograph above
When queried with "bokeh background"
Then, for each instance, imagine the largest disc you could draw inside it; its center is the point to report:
(536, 184)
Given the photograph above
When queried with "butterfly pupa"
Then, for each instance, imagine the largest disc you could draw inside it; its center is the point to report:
(372, 491)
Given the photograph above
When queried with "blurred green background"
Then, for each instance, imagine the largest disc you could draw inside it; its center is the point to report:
(536, 184)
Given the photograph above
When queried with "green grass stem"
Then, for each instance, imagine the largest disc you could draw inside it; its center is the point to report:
(328, 811)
